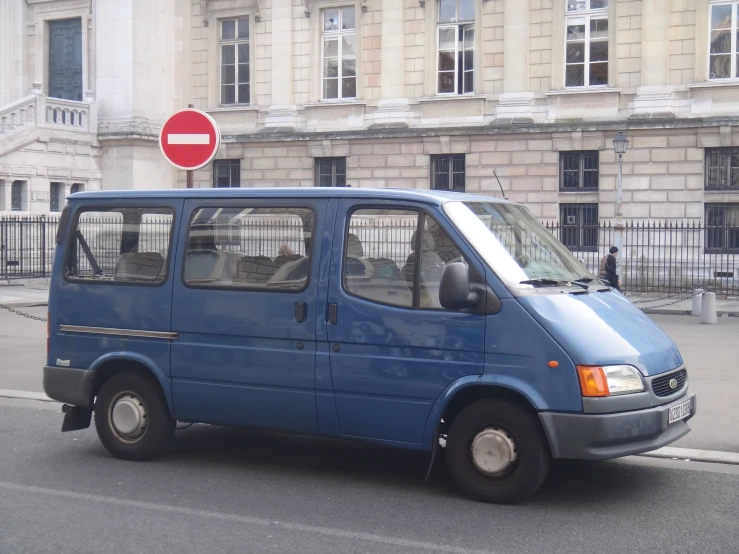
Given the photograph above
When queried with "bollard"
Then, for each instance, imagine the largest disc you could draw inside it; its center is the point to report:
(708, 308)
(697, 297)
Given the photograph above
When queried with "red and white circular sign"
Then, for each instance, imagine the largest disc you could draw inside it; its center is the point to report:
(189, 139)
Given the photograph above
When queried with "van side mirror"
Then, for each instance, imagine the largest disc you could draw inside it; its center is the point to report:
(455, 292)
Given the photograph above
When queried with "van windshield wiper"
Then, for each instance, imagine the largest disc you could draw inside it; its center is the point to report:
(543, 282)
(584, 280)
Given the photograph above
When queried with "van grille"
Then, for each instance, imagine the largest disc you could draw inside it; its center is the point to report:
(661, 385)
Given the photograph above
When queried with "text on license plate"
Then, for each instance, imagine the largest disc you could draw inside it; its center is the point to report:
(681, 411)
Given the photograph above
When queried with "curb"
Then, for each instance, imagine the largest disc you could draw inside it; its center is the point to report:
(710, 456)
(25, 304)
(659, 311)
(25, 395)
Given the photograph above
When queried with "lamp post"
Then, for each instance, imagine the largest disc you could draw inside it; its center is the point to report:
(620, 145)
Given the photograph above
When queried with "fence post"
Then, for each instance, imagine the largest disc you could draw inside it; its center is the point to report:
(43, 247)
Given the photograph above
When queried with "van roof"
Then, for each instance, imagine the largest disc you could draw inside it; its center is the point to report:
(431, 196)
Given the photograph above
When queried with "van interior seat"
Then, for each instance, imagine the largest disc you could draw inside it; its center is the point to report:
(139, 266)
(255, 269)
(204, 265)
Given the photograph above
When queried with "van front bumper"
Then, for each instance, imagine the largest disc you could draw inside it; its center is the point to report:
(605, 436)
(69, 385)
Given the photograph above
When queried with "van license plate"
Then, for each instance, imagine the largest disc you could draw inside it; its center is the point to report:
(681, 411)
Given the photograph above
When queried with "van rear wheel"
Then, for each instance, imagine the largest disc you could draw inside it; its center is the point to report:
(131, 417)
(496, 451)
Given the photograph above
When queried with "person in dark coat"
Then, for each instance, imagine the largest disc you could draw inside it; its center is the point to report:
(608, 268)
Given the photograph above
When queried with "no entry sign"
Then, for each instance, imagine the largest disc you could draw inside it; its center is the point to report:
(189, 139)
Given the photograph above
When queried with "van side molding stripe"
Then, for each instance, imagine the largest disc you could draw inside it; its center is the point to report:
(118, 332)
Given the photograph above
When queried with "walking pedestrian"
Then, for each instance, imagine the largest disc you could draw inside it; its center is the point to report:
(608, 268)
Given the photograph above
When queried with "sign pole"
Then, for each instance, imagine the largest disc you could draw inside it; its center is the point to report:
(188, 173)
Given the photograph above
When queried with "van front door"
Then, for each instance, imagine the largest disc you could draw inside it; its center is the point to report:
(245, 311)
(393, 349)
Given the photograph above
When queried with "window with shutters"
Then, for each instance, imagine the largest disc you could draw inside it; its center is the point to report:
(226, 174)
(447, 172)
(722, 169)
(578, 171)
(65, 59)
(722, 228)
(330, 172)
(235, 61)
(579, 226)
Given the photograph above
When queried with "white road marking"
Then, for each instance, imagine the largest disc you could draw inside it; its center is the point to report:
(188, 138)
(246, 520)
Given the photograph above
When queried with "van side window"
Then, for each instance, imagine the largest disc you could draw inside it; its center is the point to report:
(256, 248)
(386, 261)
(378, 245)
(121, 245)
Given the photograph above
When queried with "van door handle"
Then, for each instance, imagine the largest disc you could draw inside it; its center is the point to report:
(301, 310)
(333, 314)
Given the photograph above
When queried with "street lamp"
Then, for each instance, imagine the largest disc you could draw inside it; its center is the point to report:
(620, 145)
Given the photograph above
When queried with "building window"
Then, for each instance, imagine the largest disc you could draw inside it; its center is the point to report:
(724, 43)
(75, 188)
(339, 54)
(722, 168)
(16, 196)
(578, 171)
(586, 48)
(235, 61)
(330, 172)
(722, 228)
(54, 195)
(456, 44)
(579, 226)
(65, 59)
(447, 172)
(226, 174)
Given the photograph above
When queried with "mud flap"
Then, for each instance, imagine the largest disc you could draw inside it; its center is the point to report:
(75, 418)
(434, 449)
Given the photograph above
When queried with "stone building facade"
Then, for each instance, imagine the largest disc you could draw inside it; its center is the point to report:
(383, 93)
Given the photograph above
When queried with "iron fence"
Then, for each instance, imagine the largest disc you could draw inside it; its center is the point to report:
(655, 257)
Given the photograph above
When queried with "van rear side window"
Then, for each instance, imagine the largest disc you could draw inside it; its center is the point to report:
(260, 248)
(120, 245)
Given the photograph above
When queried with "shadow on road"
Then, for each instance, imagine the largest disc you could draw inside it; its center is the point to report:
(283, 458)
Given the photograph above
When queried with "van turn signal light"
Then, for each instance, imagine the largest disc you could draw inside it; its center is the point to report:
(593, 381)
(553, 364)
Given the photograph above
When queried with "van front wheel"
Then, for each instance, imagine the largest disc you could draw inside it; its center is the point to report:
(496, 451)
(131, 417)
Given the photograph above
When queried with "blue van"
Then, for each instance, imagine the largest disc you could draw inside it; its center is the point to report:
(416, 319)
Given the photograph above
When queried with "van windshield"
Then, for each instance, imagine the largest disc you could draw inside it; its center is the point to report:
(515, 245)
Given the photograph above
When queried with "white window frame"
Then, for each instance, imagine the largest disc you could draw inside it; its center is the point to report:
(235, 42)
(338, 36)
(458, 47)
(587, 15)
(734, 29)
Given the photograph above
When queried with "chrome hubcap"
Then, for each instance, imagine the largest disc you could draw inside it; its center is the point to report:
(494, 451)
(128, 417)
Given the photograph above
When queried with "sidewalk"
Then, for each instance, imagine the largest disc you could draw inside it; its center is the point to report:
(18, 295)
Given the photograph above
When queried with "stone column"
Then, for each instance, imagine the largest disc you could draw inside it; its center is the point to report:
(655, 95)
(282, 112)
(392, 107)
(516, 102)
(12, 63)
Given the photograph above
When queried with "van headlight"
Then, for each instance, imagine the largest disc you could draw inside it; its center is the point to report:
(612, 380)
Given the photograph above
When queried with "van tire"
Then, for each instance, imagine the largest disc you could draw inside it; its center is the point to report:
(521, 428)
(133, 389)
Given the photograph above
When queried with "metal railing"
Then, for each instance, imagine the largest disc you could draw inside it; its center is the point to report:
(655, 257)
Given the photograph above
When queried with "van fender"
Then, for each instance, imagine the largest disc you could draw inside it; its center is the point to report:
(501, 381)
(148, 363)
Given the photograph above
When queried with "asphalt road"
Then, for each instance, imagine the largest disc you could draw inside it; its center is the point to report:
(711, 353)
(223, 491)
